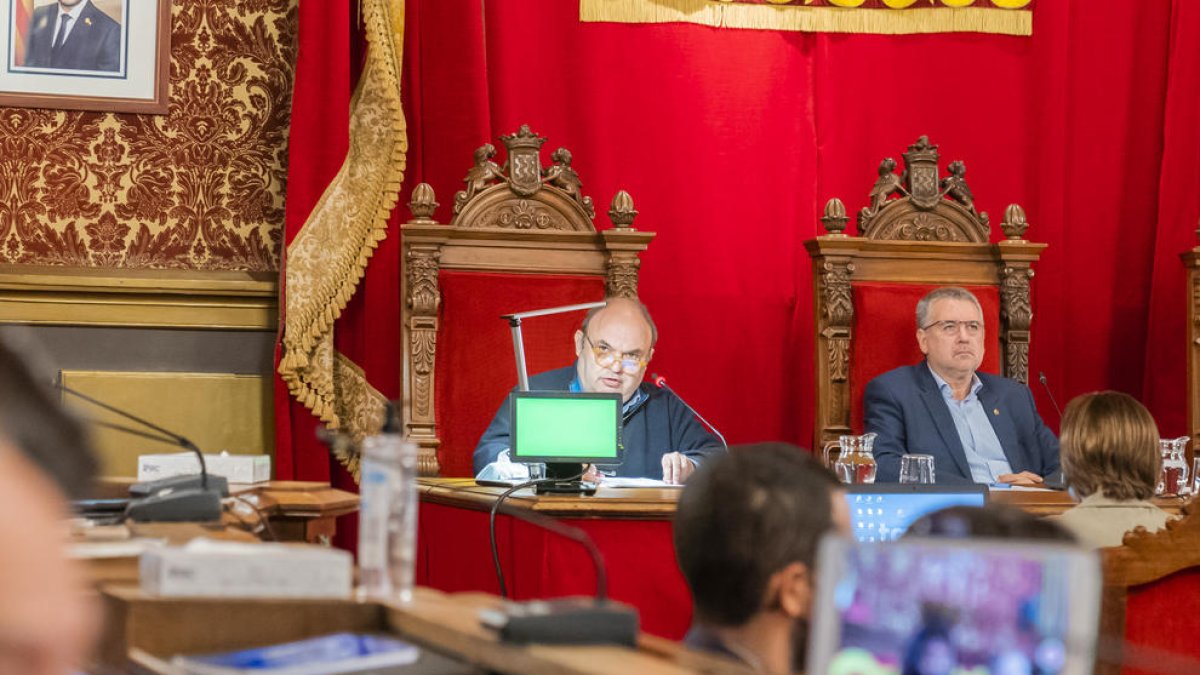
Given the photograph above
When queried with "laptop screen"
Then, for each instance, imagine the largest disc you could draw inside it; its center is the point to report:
(883, 511)
(566, 427)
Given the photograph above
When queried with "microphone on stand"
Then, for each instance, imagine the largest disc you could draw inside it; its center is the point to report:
(597, 620)
(182, 498)
(661, 382)
(1042, 379)
(1058, 481)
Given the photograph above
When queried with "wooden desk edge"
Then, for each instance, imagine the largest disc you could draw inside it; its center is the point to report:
(449, 624)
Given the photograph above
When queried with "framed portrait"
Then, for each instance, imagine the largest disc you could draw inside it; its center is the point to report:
(107, 55)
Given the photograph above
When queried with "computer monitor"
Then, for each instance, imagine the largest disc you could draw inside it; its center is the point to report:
(883, 511)
(566, 430)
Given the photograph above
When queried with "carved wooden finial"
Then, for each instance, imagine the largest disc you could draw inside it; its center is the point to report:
(622, 212)
(423, 204)
(1014, 223)
(835, 217)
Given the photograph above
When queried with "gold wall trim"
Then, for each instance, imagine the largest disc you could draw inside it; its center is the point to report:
(216, 411)
(138, 298)
(986, 18)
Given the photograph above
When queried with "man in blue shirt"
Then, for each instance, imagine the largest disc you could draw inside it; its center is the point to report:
(662, 438)
(979, 428)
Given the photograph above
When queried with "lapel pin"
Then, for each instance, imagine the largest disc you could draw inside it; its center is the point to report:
(996, 412)
(88, 20)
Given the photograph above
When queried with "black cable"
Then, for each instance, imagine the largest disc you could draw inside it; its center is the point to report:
(262, 518)
(496, 507)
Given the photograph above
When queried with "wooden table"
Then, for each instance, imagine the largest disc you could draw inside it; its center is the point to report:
(149, 630)
(296, 510)
(631, 527)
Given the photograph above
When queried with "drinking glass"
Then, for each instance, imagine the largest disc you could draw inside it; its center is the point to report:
(916, 469)
(1195, 476)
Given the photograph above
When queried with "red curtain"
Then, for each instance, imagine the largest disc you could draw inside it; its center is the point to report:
(317, 144)
(730, 141)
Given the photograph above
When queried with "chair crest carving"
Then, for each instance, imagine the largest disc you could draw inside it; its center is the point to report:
(929, 207)
(521, 194)
(918, 228)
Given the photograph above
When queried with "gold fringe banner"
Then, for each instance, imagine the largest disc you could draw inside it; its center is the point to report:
(984, 18)
(329, 255)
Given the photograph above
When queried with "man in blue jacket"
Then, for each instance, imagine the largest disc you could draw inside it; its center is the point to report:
(979, 428)
(662, 438)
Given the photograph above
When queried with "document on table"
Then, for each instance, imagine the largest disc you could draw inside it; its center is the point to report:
(621, 482)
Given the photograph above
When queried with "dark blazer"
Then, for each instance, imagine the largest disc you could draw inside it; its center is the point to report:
(659, 425)
(906, 409)
(94, 42)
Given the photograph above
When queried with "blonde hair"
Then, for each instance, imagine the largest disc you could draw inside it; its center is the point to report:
(1109, 444)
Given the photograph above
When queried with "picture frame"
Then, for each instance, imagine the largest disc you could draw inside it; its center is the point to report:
(108, 55)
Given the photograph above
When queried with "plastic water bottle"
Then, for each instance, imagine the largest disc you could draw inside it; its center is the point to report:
(387, 520)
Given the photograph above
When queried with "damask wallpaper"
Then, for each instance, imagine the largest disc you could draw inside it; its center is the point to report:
(199, 188)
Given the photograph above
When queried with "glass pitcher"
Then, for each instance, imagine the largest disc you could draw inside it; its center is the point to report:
(1173, 479)
(854, 463)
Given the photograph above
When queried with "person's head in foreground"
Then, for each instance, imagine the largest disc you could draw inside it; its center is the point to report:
(994, 521)
(746, 534)
(47, 615)
(1109, 445)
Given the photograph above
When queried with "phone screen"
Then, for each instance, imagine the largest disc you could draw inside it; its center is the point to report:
(948, 607)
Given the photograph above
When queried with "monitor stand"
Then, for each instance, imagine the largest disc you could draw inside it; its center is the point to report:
(559, 481)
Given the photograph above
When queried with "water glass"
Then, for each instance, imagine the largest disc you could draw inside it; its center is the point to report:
(916, 469)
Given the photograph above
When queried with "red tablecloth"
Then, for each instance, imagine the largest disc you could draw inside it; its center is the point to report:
(454, 554)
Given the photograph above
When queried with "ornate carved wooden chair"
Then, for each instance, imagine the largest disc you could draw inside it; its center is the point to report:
(1191, 260)
(920, 231)
(1152, 596)
(521, 238)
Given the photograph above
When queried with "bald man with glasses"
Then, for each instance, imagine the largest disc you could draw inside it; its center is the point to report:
(979, 427)
(613, 346)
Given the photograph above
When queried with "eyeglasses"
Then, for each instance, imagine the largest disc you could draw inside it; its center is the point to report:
(606, 357)
(951, 328)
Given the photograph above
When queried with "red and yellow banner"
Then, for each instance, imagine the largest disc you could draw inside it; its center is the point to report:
(891, 17)
(22, 11)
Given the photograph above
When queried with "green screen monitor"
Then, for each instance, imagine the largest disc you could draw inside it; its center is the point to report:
(564, 427)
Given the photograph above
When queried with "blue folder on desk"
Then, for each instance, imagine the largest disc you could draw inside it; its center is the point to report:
(336, 653)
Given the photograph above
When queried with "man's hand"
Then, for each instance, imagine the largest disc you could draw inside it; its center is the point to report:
(592, 475)
(1023, 479)
(676, 468)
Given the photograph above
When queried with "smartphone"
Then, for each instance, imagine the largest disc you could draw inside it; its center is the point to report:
(940, 606)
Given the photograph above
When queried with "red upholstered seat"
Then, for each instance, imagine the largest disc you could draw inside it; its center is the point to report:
(1152, 599)
(475, 348)
(884, 334)
(1165, 615)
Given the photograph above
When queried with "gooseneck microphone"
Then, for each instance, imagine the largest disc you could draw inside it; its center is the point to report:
(1042, 379)
(172, 499)
(661, 382)
(595, 620)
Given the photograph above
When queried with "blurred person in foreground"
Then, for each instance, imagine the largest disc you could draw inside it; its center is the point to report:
(48, 615)
(746, 534)
(1111, 460)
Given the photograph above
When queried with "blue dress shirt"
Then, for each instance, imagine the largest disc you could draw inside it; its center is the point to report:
(984, 454)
